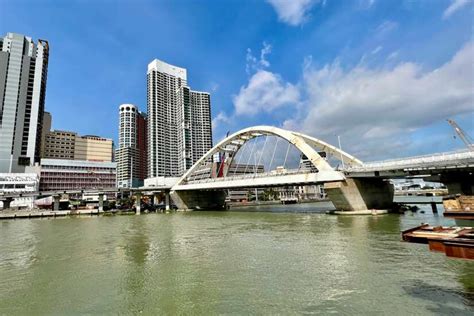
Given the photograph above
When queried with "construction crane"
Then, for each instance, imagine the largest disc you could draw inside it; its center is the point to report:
(467, 140)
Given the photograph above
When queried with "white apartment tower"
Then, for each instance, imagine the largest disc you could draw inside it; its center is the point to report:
(179, 121)
(131, 152)
(201, 127)
(23, 72)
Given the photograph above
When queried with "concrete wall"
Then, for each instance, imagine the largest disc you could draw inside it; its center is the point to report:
(360, 194)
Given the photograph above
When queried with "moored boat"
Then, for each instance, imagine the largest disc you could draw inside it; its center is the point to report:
(455, 242)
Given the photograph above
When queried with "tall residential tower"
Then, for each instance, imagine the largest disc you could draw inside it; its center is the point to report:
(23, 72)
(131, 154)
(179, 121)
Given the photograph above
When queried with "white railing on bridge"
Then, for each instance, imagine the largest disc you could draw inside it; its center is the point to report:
(446, 159)
(250, 176)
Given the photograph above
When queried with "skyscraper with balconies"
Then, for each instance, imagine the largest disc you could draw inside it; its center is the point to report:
(23, 73)
(179, 121)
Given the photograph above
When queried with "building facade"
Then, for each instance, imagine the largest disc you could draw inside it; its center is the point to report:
(47, 122)
(69, 145)
(201, 124)
(23, 73)
(131, 154)
(19, 183)
(62, 174)
(93, 148)
(178, 121)
(59, 145)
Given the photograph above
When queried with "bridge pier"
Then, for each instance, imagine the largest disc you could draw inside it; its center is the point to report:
(360, 194)
(138, 203)
(7, 202)
(197, 199)
(459, 183)
(101, 202)
(56, 199)
(167, 200)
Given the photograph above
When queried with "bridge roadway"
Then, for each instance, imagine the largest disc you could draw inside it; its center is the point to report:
(420, 166)
(267, 179)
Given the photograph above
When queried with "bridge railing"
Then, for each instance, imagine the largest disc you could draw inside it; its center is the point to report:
(434, 160)
(250, 176)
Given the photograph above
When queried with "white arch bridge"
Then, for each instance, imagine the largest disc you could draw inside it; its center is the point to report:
(203, 185)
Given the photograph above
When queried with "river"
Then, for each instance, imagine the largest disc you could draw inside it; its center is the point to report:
(293, 260)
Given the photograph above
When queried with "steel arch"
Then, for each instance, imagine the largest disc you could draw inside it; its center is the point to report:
(301, 141)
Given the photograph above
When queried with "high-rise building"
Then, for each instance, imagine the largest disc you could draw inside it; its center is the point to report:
(131, 154)
(179, 121)
(47, 122)
(23, 73)
(201, 124)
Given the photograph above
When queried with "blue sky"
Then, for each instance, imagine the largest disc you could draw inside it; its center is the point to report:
(384, 75)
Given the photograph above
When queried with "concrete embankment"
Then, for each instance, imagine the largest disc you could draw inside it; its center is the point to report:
(14, 214)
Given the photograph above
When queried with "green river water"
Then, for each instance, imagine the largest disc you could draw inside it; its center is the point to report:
(292, 260)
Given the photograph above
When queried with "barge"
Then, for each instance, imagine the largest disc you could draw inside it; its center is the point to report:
(455, 242)
(459, 206)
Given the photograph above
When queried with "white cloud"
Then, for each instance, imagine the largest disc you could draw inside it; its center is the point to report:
(266, 92)
(267, 49)
(292, 12)
(378, 108)
(219, 119)
(376, 50)
(384, 28)
(454, 6)
(252, 63)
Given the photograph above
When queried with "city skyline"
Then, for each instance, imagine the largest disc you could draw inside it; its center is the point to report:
(285, 69)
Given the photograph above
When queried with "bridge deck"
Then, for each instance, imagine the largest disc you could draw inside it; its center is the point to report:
(262, 180)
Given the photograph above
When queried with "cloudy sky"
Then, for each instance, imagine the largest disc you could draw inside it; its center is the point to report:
(383, 75)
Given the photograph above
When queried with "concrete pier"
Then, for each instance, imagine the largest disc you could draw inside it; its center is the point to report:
(198, 200)
(138, 203)
(360, 194)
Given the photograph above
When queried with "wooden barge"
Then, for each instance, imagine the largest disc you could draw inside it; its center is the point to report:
(459, 206)
(455, 242)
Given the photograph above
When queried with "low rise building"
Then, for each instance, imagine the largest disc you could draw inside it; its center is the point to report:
(93, 148)
(62, 174)
(19, 183)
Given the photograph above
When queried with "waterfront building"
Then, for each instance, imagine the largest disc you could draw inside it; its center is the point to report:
(175, 113)
(19, 183)
(23, 72)
(63, 174)
(131, 154)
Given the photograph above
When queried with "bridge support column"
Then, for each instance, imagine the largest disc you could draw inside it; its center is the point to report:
(167, 200)
(156, 198)
(360, 195)
(459, 183)
(101, 202)
(138, 203)
(56, 199)
(7, 202)
(199, 200)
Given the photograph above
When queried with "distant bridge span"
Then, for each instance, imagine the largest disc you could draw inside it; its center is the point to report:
(358, 186)
(304, 143)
